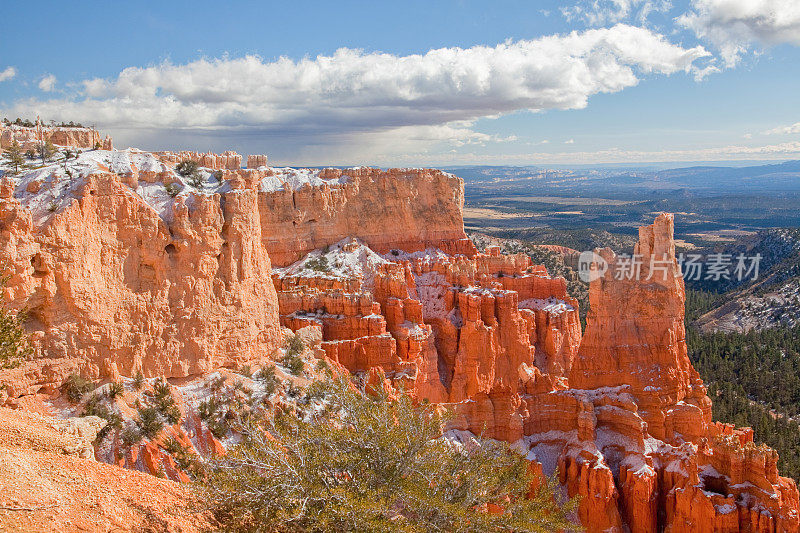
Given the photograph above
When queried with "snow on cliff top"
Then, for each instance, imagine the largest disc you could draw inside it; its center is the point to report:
(47, 189)
(288, 178)
(348, 258)
(296, 178)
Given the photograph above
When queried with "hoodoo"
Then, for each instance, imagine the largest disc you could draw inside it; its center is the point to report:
(126, 266)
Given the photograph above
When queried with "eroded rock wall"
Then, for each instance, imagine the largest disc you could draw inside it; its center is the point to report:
(60, 136)
(405, 209)
(106, 280)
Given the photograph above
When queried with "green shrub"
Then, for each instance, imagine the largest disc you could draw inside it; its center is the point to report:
(131, 435)
(164, 402)
(375, 464)
(320, 264)
(138, 380)
(115, 389)
(95, 407)
(214, 414)
(294, 345)
(149, 423)
(293, 363)
(14, 345)
(187, 167)
(196, 180)
(172, 189)
(266, 376)
(75, 387)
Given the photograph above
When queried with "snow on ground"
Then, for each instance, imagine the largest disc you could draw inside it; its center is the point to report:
(295, 178)
(49, 188)
(348, 258)
(550, 305)
(431, 255)
(431, 289)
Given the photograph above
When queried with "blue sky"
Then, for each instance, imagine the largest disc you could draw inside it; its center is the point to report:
(418, 83)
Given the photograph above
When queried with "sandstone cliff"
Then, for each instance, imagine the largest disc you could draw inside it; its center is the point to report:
(124, 264)
(405, 209)
(115, 272)
(60, 136)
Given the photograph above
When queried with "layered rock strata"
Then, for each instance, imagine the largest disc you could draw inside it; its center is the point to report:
(121, 262)
(29, 138)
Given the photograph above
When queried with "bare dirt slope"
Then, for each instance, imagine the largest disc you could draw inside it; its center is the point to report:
(44, 487)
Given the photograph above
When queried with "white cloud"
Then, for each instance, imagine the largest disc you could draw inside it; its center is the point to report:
(331, 99)
(604, 12)
(734, 26)
(784, 130)
(7, 74)
(571, 141)
(47, 83)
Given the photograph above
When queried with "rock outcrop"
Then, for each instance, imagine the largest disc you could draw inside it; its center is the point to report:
(404, 209)
(224, 161)
(72, 137)
(632, 432)
(109, 280)
(122, 264)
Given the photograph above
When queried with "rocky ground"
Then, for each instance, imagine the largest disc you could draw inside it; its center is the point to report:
(47, 485)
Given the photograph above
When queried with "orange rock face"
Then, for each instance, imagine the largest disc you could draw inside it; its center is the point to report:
(225, 161)
(444, 327)
(105, 279)
(67, 137)
(405, 209)
(632, 433)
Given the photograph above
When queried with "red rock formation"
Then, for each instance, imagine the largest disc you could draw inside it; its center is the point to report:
(225, 161)
(445, 326)
(256, 160)
(119, 275)
(28, 138)
(632, 433)
(620, 416)
(372, 205)
(104, 277)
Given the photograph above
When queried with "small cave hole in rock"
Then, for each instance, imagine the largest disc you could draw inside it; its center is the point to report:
(170, 249)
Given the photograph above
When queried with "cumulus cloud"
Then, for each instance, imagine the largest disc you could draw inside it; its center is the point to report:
(47, 83)
(604, 12)
(7, 74)
(356, 93)
(735, 26)
(784, 130)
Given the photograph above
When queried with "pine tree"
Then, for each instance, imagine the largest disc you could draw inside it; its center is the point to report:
(14, 346)
(46, 151)
(368, 462)
(15, 159)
